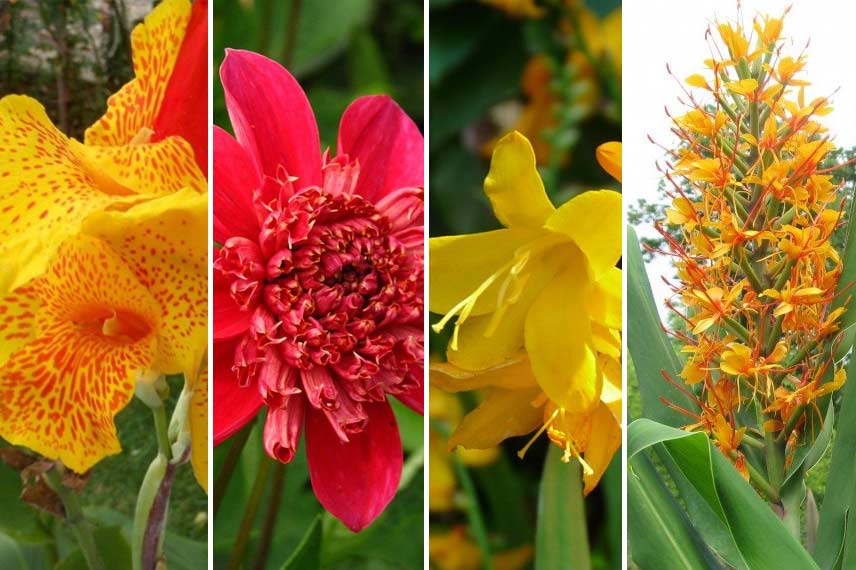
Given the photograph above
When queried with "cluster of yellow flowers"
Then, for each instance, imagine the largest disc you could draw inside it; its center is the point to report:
(538, 308)
(755, 214)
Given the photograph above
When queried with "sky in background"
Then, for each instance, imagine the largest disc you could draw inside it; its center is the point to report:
(673, 32)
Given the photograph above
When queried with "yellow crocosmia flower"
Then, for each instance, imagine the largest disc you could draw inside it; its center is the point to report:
(538, 307)
(124, 297)
(155, 43)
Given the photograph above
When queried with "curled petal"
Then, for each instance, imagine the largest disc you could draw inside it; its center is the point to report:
(282, 429)
(233, 406)
(513, 185)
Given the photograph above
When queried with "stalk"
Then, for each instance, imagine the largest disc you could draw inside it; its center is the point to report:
(75, 519)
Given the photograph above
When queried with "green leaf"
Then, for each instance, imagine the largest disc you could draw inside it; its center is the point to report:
(410, 426)
(611, 485)
(649, 347)
(836, 535)
(18, 520)
(112, 546)
(561, 537)
(760, 537)
(18, 556)
(307, 556)
(660, 535)
(847, 288)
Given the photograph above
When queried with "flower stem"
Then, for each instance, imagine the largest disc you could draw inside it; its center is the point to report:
(161, 429)
(253, 503)
(277, 484)
(76, 520)
(229, 464)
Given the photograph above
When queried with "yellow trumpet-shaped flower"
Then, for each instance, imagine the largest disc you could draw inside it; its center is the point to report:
(538, 308)
(127, 294)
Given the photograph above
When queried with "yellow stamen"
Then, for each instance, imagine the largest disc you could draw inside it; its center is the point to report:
(544, 427)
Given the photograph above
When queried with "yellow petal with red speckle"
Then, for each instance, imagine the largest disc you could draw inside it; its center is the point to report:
(46, 190)
(155, 44)
(199, 430)
(93, 330)
(165, 242)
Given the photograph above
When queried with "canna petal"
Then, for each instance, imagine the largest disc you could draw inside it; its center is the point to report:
(46, 190)
(387, 143)
(514, 373)
(503, 414)
(233, 406)
(199, 430)
(17, 320)
(593, 221)
(459, 264)
(235, 178)
(513, 185)
(356, 480)
(271, 116)
(164, 241)
(559, 338)
(155, 45)
(157, 168)
(95, 328)
(183, 112)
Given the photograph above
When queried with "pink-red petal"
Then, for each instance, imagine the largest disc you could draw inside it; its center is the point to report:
(233, 406)
(271, 116)
(387, 143)
(355, 481)
(414, 399)
(229, 319)
(235, 179)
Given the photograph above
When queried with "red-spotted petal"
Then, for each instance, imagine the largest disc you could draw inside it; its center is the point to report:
(356, 480)
(387, 143)
(271, 116)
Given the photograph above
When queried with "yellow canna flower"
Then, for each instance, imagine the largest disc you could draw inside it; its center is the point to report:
(127, 294)
(50, 183)
(538, 307)
(518, 8)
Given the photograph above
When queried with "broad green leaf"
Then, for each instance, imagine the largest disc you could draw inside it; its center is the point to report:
(18, 520)
(712, 531)
(307, 556)
(561, 537)
(112, 546)
(18, 556)
(835, 534)
(847, 287)
(660, 535)
(760, 537)
(410, 426)
(809, 452)
(651, 351)
(611, 485)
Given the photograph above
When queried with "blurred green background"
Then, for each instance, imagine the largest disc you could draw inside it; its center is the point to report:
(557, 79)
(338, 50)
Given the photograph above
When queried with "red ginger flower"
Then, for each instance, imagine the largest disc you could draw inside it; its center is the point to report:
(318, 297)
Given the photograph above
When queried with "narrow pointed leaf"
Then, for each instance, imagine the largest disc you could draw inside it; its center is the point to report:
(307, 555)
(561, 538)
(835, 533)
(649, 347)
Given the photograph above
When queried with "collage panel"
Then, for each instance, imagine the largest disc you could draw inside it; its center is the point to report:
(740, 261)
(524, 270)
(318, 285)
(103, 284)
